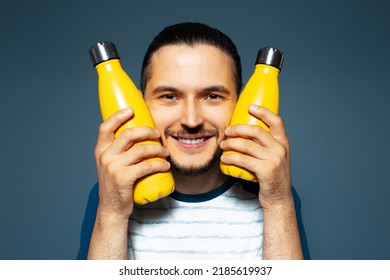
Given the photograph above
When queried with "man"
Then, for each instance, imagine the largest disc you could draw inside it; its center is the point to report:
(190, 79)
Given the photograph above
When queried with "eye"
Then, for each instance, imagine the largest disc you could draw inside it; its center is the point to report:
(168, 96)
(213, 96)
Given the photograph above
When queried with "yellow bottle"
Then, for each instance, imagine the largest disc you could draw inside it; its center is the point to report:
(117, 91)
(262, 89)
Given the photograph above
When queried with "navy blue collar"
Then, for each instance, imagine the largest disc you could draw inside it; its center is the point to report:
(204, 196)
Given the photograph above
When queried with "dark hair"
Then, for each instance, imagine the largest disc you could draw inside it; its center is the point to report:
(191, 33)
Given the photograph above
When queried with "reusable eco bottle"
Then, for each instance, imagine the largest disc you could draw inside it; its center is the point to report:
(262, 89)
(117, 91)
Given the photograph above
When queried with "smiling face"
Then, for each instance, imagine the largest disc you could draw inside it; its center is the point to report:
(191, 95)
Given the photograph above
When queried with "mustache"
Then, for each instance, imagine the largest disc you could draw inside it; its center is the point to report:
(187, 131)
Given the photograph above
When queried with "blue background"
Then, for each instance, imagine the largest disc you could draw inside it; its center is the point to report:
(334, 101)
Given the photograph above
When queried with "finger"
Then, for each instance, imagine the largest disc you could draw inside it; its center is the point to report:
(253, 132)
(130, 136)
(253, 140)
(140, 152)
(243, 161)
(268, 169)
(245, 146)
(272, 120)
(107, 129)
(148, 167)
(131, 174)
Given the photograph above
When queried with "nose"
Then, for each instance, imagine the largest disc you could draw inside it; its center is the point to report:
(191, 115)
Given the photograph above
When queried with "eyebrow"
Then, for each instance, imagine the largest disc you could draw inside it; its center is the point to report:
(164, 88)
(216, 88)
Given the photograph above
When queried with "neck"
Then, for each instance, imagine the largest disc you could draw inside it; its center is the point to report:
(200, 184)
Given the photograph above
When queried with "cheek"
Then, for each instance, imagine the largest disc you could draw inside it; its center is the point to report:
(220, 118)
(162, 120)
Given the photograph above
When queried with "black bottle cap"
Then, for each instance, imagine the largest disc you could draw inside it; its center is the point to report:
(103, 51)
(270, 56)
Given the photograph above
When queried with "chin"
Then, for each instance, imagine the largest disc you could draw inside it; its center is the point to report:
(194, 168)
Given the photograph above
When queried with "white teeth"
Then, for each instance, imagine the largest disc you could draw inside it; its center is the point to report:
(191, 141)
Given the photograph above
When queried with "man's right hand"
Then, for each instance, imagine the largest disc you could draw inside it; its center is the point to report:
(120, 162)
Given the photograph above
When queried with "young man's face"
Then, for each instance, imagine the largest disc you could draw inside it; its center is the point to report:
(191, 95)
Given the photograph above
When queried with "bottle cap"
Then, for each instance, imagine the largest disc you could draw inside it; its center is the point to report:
(270, 56)
(103, 51)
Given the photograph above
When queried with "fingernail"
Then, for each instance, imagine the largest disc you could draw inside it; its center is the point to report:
(254, 107)
(127, 111)
(222, 144)
(227, 130)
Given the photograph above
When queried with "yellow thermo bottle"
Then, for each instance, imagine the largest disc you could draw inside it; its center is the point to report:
(262, 89)
(117, 91)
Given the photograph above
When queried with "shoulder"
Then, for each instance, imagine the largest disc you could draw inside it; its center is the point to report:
(88, 222)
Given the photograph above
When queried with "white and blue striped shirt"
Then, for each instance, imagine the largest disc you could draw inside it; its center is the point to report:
(226, 223)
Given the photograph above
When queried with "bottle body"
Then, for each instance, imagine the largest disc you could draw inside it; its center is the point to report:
(262, 89)
(117, 91)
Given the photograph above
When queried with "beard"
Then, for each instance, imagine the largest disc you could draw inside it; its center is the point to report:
(194, 169)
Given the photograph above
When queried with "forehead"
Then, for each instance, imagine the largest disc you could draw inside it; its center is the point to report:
(199, 49)
(199, 64)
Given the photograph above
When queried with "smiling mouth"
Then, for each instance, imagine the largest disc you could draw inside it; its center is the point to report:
(192, 141)
(192, 138)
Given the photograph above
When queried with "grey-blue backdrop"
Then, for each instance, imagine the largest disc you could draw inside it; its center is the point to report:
(334, 98)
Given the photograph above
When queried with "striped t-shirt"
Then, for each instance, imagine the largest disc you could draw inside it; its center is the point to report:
(226, 223)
